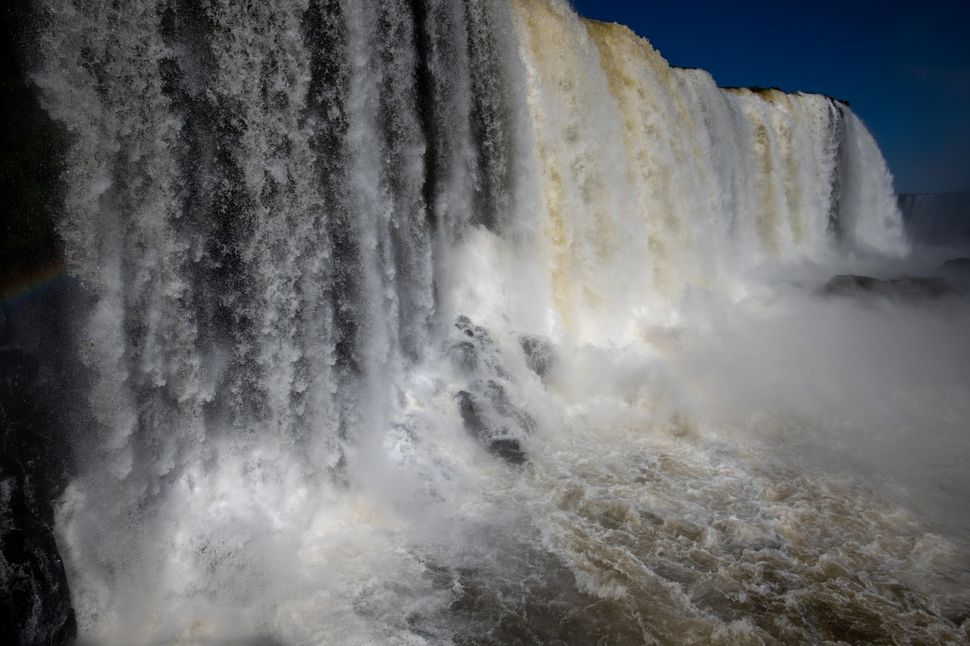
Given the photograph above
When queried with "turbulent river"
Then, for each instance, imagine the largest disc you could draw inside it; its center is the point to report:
(422, 322)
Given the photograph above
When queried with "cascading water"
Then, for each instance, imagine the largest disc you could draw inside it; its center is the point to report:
(399, 333)
(938, 219)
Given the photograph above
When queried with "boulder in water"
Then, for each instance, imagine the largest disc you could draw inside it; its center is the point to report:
(539, 355)
(906, 288)
(508, 449)
(464, 357)
(488, 411)
(493, 420)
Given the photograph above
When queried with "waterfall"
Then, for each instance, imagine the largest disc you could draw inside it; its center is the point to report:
(937, 219)
(280, 210)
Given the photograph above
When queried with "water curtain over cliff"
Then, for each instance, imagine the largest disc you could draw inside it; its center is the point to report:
(281, 210)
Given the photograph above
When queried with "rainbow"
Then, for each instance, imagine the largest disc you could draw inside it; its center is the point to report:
(18, 288)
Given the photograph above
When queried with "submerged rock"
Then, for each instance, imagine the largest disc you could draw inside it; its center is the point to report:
(909, 288)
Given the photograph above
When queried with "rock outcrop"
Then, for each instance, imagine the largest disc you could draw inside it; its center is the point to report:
(487, 410)
(902, 288)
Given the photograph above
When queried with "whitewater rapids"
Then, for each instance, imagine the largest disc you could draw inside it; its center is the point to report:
(478, 323)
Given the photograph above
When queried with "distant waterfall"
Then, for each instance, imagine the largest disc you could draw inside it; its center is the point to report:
(653, 172)
(280, 209)
(937, 219)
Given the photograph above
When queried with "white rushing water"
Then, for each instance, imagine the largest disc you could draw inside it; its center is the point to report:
(477, 322)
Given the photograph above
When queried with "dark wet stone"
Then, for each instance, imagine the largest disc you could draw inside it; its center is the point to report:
(508, 449)
(471, 414)
(35, 604)
(499, 400)
(475, 353)
(492, 419)
(35, 607)
(464, 356)
(488, 412)
(907, 288)
(476, 423)
(464, 324)
(539, 355)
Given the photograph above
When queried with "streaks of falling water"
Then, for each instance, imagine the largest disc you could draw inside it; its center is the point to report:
(279, 209)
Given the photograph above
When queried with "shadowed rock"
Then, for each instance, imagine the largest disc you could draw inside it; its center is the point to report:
(905, 288)
(494, 421)
(464, 357)
(488, 412)
(475, 421)
(475, 351)
(508, 449)
(539, 355)
(471, 414)
(35, 604)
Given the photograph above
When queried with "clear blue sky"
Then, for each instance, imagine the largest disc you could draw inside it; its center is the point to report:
(904, 66)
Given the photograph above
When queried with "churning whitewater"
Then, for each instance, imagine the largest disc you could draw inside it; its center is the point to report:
(421, 322)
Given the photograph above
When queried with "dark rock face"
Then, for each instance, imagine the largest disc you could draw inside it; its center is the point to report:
(31, 156)
(493, 420)
(475, 352)
(40, 403)
(487, 411)
(35, 604)
(508, 449)
(904, 288)
(539, 355)
(464, 357)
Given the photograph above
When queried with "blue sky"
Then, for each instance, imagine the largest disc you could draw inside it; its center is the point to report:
(904, 66)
